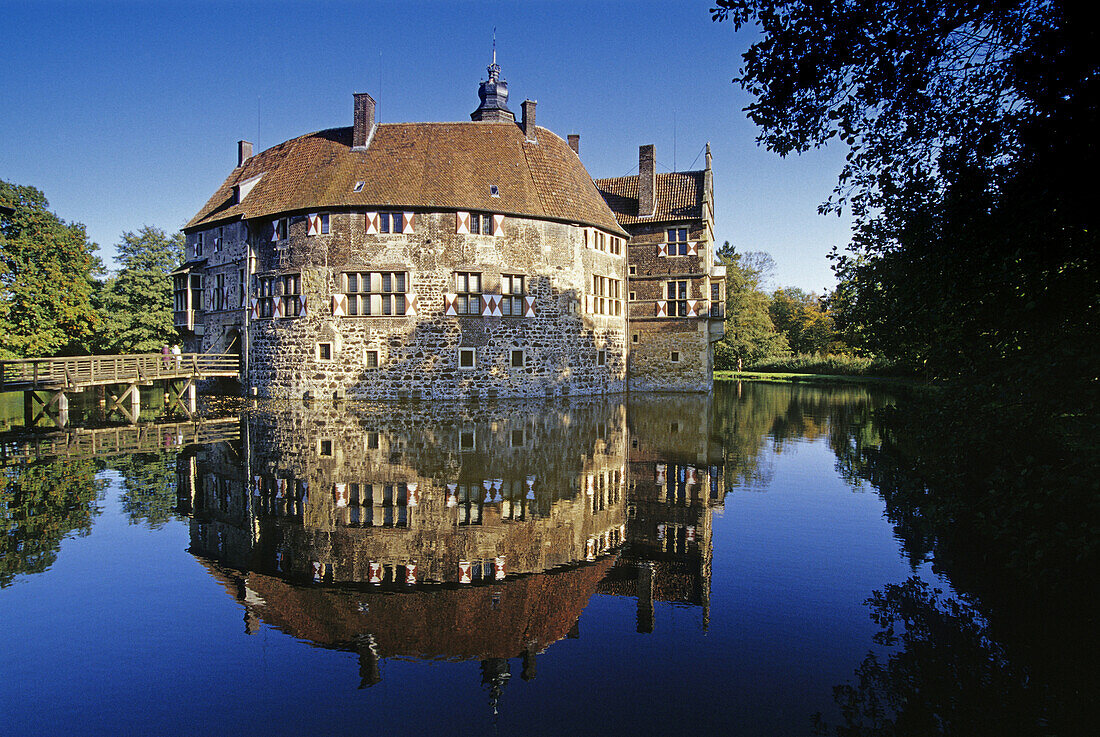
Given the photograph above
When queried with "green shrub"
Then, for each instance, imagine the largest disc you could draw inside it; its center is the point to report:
(829, 364)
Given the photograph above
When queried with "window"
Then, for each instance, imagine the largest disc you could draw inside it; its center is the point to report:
(196, 292)
(219, 297)
(324, 351)
(677, 292)
(240, 286)
(466, 440)
(511, 290)
(265, 294)
(358, 187)
(482, 224)
(324, 448)
(674, 356)
(377, 292)
(391, 222)
(518, 439)
(633, 270)
(179, 303)
(716, 299)
(218, 241)
(517, 358)
(633, 297)
(601, 357)
(467, 358)
(607, 296)
(677, 241)
(494, 190)
(292, 290)
(370, 359)
(468, 292)
(198, 245)
(616, 245)
(324, 223)
(634, 338)
(279, 229)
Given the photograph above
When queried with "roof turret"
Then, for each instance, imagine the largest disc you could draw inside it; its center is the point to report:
(494, 95)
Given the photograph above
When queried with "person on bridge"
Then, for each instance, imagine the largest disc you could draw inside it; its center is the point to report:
(165, 352)
(178, 354)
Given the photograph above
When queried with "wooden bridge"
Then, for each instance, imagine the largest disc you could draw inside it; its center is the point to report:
(59, 376)
(26, 447)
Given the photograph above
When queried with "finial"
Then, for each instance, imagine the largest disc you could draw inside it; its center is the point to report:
(494, 68)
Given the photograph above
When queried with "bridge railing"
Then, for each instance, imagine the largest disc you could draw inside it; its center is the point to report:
(76, 371)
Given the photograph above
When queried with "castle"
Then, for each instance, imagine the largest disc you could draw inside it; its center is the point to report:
(452, 260)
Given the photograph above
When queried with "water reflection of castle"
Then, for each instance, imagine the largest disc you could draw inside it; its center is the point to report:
(457, 531)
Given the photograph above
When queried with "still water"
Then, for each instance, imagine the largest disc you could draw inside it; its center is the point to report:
(644, 565)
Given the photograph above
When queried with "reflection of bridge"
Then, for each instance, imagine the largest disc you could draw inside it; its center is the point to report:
(110, 441)
(60, 376)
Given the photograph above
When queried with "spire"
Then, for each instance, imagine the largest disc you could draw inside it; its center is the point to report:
(493, 93)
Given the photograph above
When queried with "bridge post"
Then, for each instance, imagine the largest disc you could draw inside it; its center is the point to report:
(135, 403)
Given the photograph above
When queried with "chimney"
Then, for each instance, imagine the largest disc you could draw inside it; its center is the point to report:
(364, 121)
(575, 143)
(647, 182)
(529, 120)
(244, 152)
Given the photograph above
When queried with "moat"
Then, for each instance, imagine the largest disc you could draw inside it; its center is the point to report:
(627, 564)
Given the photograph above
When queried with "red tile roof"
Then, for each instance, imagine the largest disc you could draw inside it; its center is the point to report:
(417, 166)
(679, 197)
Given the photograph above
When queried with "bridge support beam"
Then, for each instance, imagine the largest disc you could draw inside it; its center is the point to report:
(118, 403)
(182, 395)
(57, 408)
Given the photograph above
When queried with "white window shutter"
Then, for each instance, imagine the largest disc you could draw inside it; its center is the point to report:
(302, 310)
(449, 304)
(462, 223)
(662, 308)
(274, 230)
(339, 305)
(371, 223)
(314, 224)
(529, 306)
(410, 304)
(409, 216)
(662, 249)
(254, 306)
(498, 225)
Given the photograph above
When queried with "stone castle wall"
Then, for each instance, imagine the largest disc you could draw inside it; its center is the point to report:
(566, 351)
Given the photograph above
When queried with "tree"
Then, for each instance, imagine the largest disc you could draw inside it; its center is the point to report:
(137, 303)
(45, 289)
(973, 253)
(803, 320)
(749, 332)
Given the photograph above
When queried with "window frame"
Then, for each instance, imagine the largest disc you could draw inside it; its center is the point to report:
(464, 351)
(677, 245)
(464, 296)
(393, 302)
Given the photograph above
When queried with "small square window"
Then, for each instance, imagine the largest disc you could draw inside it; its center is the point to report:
(324, 351)
(517, 358)
(517, 438)
(372, 441)
(634, 337)
(633, 270)
(494, 190)
(466, 358)
(632, 296)
(601, 357)
(674, 427)
(371, 359)
(324, 448)
(675, 356)
(466, 440)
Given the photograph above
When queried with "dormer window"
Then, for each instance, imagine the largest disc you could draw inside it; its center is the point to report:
(198, 245)
(358, 187)
(494, 190)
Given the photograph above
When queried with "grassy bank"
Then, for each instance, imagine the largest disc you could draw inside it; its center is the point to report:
(801, 378)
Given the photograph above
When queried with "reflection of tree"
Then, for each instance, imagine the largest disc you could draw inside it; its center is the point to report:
(148, 487)
(749, 416)
(40, 505)
(944, 675)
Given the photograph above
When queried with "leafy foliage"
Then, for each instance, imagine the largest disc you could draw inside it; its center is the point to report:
(148, 487)
(45, 263)
(750, 333)
(973, 255)
(137, 303)
(41, 505)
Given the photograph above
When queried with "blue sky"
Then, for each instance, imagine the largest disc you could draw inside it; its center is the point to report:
(128, 114)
